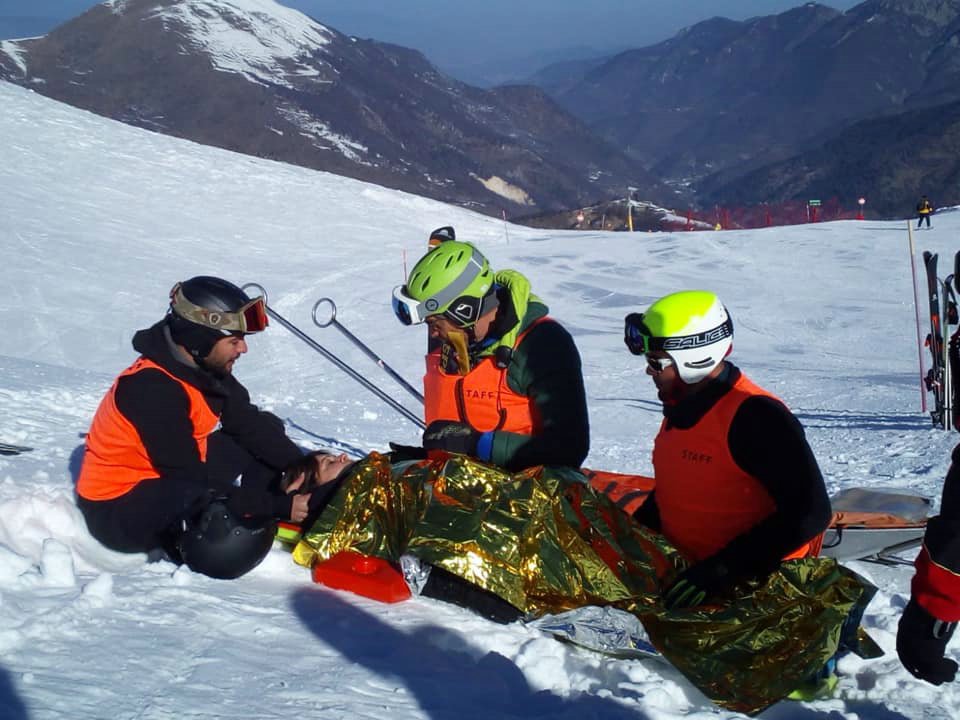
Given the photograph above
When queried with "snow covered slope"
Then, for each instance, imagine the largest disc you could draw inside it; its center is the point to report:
(98, 220)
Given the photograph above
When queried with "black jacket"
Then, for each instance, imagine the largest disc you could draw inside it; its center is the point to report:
(942, 540)
(158, 408)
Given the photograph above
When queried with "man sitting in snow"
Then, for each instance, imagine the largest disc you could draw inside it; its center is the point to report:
(505, 384)
(737, 487)
(177, 458)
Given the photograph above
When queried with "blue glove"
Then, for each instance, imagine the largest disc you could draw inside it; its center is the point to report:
(921, 644)
(457, 437)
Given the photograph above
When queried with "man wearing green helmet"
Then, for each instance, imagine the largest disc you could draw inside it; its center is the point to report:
(738, 489)
(505, 384)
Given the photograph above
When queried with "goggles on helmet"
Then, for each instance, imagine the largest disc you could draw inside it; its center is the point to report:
(408, 310)
(250, 318)
(640, 340)
(449, 301)
(636, 336)
(462, 310)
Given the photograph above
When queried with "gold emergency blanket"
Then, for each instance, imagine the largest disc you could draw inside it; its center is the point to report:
(545, 541)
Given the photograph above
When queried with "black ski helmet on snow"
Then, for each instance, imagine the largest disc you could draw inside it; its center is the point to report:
(218, 544)
(205, 309)
(692, 327)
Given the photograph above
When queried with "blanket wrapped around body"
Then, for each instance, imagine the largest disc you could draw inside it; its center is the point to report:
(545, 541)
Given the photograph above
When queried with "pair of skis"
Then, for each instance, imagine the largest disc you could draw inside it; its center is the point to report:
(944, 347)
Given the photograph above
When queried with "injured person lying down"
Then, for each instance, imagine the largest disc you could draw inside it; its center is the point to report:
(543, 541)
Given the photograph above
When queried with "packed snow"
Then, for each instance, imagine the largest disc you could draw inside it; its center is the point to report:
(98, 220)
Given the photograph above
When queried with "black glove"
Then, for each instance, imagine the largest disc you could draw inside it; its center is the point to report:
(455, 437)
(921, 643)
(400, 453)
(695, 584)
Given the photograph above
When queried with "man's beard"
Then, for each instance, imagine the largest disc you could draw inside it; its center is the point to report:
(676, 392)
(218, 370)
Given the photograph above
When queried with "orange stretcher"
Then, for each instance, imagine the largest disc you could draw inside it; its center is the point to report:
(867, 524)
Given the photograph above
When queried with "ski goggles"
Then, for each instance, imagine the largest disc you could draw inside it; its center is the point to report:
(636, 336)
(463, 311)
(250, 318)
(449, 301)
(408, 310)
(640, 340)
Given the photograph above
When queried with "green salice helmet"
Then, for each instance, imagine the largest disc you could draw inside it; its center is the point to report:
(452, 279)
(692, 327)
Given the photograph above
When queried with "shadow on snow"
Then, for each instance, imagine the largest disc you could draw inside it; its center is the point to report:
(446, 678)
(11, 707)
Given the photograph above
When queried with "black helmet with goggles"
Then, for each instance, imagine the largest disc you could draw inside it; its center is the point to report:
(204, 309)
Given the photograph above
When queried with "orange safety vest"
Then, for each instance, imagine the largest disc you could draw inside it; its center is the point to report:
(481, 398)
(704, 498)
(115, 459)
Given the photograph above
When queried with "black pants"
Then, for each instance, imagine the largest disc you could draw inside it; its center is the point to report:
(921, 219)
(151, 515)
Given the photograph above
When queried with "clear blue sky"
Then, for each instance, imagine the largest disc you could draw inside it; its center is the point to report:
(457, 34)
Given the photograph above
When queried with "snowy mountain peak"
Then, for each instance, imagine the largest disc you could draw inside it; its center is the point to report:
(259, 39)
(254, 76)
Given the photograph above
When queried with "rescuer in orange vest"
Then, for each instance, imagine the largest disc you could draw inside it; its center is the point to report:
(930, 618)
(505, 385)
(737, 487)
(177, 458)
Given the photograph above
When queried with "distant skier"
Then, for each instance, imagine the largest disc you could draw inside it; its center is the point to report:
(930, 618)
(924, 211)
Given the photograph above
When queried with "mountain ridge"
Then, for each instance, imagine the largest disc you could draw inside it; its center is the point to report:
(256, 77)
(723, 98)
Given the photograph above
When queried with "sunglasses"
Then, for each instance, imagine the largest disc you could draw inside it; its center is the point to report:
(250, 318)
(659, 364)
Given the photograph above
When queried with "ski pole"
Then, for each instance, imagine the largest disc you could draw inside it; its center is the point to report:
(360, 344)
(335, 360)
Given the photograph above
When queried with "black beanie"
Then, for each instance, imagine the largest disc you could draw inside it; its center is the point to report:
(197, 339)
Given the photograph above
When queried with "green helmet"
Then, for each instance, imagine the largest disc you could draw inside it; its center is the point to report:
(692, 327)
(452, 279)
